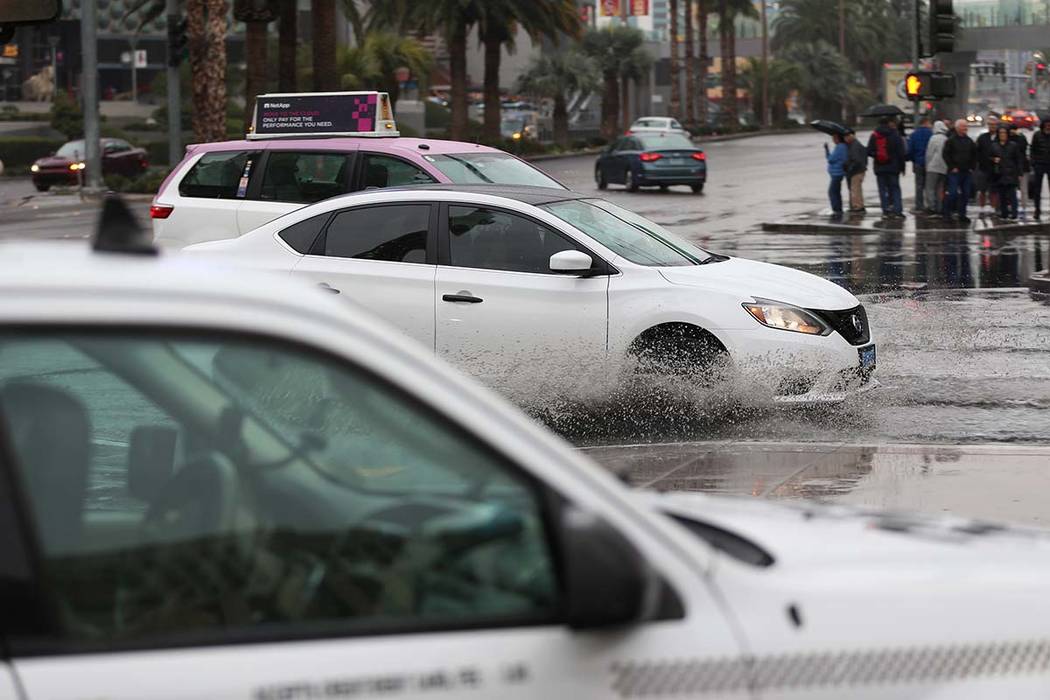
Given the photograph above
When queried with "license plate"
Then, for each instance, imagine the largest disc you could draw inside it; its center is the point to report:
(677, 161)
(867, 357)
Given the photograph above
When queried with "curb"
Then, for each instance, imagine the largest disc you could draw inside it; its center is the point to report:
(823, 228)
(1040, 282)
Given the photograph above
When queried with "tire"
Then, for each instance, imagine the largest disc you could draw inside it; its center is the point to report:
(698, 189)
(680, 352)
(41, 187)
(629, 181)
(664, 188)
(599, 177)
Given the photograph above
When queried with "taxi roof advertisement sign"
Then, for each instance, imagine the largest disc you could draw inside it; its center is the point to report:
(312, 114)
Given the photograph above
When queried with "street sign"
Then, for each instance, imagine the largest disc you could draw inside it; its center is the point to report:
(140, 58)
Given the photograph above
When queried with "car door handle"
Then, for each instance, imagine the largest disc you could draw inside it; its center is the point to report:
(328, 288)
(466, 298)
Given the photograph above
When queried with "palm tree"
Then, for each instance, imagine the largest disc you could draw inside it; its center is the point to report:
(676, 69)
(287, 45)
(702, 10)
(634, 68)
(256, 15)
(355, 68)
(613, 50)
(387, 52)
(784, 77)
(558, 76)
(690, 65)
(322, 15)
(454, 18)
(728, 11)
(498, 22)
(206, 29)
(823, 78)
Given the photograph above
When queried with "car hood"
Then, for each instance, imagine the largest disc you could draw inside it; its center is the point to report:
(749, 279)
(803, 537)
(53, 162)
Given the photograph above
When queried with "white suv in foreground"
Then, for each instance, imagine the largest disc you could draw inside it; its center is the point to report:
(220, 485)
(545, 292)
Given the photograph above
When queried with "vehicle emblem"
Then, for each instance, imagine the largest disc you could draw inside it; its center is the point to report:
(857, 323)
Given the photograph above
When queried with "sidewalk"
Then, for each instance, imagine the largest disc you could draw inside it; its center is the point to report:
(824, 222)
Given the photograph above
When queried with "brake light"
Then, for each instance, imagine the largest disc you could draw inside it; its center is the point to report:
(628, 133)
(650, 157)
(144, 163)
(700, 155)
(160, 211)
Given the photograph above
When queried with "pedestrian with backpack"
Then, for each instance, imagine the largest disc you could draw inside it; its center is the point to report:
(917, 143)
(960, 155)
(886, 148)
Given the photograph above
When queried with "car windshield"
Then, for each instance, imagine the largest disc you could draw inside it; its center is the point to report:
(73, 149)
(655, 142)
(490, 168)
(630, 236)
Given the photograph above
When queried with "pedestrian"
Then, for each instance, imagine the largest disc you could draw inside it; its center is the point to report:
(936, 169)
(982, 177)
(856, 166)
(1007, 168)
(1040, 156)
(1022, 143)
(836, 158)
(917, 143)
(960, 155)
(886, 148)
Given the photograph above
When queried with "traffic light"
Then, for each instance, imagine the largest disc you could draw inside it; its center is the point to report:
(929, 85)
(942, 27)
(1031, 93)
(177, 40)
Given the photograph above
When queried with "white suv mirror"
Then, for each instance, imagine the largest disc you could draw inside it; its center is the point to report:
(571, 261)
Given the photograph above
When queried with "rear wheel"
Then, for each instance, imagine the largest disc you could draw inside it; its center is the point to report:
(41, 187)
(664, 188)
(599, 177)
(697, 189)
(629, 182)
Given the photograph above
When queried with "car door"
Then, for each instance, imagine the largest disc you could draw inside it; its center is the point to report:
(383, 257)
(504, 316)
(205, 202)
(612, 162)
(291, 179)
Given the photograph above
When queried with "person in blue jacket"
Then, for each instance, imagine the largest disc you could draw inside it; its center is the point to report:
(837, 157)
(917, 142)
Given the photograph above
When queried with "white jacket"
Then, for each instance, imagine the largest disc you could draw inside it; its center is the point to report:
(935, 150)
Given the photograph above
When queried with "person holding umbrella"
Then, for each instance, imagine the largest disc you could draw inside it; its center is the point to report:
(836, 157)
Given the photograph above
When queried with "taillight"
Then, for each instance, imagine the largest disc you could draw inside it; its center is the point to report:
(650, 157)
(160, 211)
(628, 133)
(700, 155)
(144, 163)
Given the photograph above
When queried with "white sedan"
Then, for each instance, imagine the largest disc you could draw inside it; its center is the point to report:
(543, 292)
(643, 124)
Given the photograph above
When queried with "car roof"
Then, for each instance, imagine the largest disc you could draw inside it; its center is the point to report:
(397, 144)
(526, 194)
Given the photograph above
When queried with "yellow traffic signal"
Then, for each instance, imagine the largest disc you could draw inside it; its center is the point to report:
(913, 86)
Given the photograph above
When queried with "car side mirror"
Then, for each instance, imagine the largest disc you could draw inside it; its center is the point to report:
(607, 579)
(570, 261)
(151, 460)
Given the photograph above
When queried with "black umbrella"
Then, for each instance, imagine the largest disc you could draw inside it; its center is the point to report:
(882, 111)
(829, 127)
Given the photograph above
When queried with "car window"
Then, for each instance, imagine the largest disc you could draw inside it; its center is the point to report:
(219, 175)
(279, 493)
(301, 236)
(385, 171)
(395, 233)
(490, 168)
(304, 177)
(72, 149)
(496, 240)
(654, 142)
(631, 236)
(675, 124)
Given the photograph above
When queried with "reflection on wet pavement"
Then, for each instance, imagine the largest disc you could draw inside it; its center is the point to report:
(996, 482)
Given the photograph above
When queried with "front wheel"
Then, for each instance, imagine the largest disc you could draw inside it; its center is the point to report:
(599, 177)
(629, 181)
(41, 187)
(697, 189)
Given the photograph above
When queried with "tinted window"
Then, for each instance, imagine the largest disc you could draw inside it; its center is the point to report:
(384, 171)
(495, 240)
(301, 236)
(303, 177)
(219, 175)
(655, 142)
(289, 492)
(72, 149)
(397, 233)
(490, 168)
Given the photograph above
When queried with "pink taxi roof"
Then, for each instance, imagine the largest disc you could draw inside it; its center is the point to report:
(381, 144)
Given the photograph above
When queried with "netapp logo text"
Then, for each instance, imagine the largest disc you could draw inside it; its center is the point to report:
(276, 105)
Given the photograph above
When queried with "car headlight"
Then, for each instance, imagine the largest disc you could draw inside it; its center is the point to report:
(786, 317)
(34, 168)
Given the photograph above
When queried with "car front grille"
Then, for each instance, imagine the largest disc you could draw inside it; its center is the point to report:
(844, 324)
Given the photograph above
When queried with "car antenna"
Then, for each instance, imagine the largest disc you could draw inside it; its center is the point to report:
(119, 231)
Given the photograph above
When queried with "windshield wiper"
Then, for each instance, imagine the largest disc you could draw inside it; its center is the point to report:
(471, 167)
(713, 258)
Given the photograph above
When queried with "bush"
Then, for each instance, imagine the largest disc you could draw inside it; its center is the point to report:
(66, 117)
(158, 152)
(146, 183)
(19, 152)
